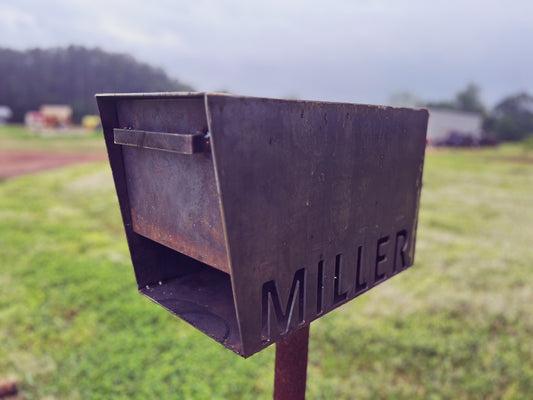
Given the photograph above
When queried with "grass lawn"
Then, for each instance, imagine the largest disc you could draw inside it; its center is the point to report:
(18, 138)
(457, 325)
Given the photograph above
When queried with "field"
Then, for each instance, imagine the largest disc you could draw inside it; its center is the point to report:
(23, 152)
(457, 325)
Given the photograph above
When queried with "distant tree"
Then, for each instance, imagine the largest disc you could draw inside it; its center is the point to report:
(512, 118)
(468, 99)
(404, 99)
(72, 76)
(448, 105)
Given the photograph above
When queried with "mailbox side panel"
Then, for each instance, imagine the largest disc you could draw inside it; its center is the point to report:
(146, 254)
(320, 204)
(173, 197)
(196, 292)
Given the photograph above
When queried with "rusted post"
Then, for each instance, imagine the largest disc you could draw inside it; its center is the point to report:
(291, 366)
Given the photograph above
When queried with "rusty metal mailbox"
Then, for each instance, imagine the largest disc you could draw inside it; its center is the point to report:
(251, 217)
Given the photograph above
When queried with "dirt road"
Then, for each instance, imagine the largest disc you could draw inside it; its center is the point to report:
(14, 163)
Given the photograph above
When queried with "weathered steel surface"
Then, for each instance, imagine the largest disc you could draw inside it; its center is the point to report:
(320, 204)
(305, 205)
(173, 197)
(291, 365)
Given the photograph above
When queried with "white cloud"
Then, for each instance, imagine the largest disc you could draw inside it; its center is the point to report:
(14, 19)
(15, 23)
(134, 34)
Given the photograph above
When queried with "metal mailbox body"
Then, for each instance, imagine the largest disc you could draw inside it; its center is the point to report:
(251, 217)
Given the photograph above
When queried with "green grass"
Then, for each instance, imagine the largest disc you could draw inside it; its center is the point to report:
(18, 138)
(457, 325)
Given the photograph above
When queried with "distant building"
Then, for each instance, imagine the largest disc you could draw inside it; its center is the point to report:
(91, 122)
(56, 116)
(5, 114)
(34, 120)
(49, 116)
(444, 123)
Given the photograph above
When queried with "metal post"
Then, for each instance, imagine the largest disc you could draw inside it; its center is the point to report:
(291, 366)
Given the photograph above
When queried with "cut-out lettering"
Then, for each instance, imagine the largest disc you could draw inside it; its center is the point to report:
(337, 296)
(380, 259)
(399, 251)
(360, 285)
(291, 308)
(320, 288)
(271, 302)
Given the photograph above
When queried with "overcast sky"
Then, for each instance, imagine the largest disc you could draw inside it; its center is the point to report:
(337, 50)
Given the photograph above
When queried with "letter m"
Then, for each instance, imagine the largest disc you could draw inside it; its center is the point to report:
(271, 302)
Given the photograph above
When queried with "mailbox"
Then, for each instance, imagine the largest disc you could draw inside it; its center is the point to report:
(251, 217)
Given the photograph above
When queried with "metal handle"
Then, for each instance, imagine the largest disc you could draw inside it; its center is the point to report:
(173, 142)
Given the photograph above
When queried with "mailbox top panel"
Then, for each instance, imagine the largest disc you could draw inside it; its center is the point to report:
(152, 95)
(189, 95)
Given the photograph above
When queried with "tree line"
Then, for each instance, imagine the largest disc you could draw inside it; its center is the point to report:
(72, 76)
(510, 120)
